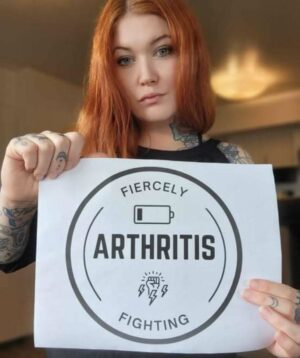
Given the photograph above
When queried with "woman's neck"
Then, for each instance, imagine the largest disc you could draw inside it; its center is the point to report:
(167, 137)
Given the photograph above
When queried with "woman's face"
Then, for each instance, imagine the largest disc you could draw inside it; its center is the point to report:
(146, 66)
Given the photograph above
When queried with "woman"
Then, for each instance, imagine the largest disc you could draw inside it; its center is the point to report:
(148, 96)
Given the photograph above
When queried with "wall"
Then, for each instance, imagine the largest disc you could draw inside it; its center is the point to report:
(29, 102)
(270, 111)
(268, 128)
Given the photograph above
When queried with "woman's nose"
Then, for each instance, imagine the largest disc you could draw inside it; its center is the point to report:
(147, 73)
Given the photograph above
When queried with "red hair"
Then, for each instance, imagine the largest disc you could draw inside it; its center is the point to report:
(105, 119)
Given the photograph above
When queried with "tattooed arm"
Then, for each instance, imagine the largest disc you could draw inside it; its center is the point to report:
(14, 230)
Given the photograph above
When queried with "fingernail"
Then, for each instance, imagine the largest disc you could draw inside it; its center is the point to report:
(253, 283)
(245, 293)
(247, 283)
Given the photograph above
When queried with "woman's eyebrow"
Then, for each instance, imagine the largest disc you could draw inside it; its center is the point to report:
(151, 43)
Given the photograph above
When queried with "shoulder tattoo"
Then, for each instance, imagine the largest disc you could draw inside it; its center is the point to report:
(235, 154)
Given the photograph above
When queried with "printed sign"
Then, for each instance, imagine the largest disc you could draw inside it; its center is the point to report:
(153, 254)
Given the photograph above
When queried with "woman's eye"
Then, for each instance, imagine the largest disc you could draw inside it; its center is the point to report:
(165, 51)
(123, 61)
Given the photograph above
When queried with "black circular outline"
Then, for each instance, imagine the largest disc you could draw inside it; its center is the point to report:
(145, 340)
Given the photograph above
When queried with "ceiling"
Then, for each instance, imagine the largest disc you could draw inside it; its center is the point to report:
(54, 36)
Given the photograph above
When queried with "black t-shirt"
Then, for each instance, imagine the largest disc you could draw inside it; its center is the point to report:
(207, 152)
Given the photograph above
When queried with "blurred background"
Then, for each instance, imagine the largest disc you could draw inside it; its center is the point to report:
(255, 51)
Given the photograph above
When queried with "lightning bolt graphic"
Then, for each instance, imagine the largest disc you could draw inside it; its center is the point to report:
(152, 296)
(164, 290)
(141, 289)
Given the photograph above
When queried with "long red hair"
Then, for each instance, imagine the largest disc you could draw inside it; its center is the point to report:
(105, 118)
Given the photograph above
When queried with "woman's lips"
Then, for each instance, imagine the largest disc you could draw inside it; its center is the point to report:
(151, 100)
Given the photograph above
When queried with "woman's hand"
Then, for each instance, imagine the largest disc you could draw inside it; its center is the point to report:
(33, 157)
(279, 306)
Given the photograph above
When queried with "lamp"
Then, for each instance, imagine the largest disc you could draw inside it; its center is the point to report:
(242, 77)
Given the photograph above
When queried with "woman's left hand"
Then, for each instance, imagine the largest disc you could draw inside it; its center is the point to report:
(279, 306)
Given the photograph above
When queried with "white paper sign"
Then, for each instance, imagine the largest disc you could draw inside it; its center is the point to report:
(145, 255)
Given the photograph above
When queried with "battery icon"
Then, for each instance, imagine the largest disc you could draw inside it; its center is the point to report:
(153, 214)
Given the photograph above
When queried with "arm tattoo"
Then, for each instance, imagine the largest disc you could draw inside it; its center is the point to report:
(189, 139)
(235, 154)
(13, 215)
(14, 230)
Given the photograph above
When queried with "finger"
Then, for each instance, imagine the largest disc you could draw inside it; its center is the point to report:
(23, 150)
(35, 153)
(275, 289)
(281, 323)
(76, 145)
(284, 346)
(281, 305)
(60, 157)
(277, 350)
(45, 151)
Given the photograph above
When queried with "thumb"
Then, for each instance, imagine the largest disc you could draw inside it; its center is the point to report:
(96, 155)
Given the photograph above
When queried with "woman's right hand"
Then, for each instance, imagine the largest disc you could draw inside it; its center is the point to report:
(33, 157)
